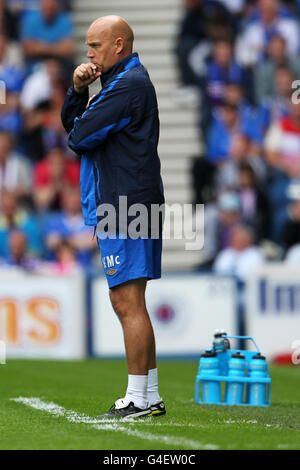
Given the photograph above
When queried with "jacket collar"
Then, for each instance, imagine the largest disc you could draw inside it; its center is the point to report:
(130, 61)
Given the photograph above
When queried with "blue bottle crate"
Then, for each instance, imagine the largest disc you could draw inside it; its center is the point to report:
(256, 383)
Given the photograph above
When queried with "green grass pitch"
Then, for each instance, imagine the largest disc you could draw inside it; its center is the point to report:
(80, 390)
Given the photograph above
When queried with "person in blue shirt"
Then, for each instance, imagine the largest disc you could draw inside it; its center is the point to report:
(12, 79)
(46, 33)
(222, 68)
(13, 217)
(116, 133)
(68, 224)
(228, 121)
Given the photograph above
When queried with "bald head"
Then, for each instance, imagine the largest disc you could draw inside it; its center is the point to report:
(115, 26)
(110, 39)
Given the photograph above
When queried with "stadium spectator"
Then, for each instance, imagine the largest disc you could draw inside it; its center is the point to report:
(21, 7)
(11, 74)
(241, 95)
(234, 6)
(203, 178)
(220, 218)
(265, 72)
(12, 77)
(241, 152)
(291, 229)
(33, 129)
(252, 45)
(278, 106)
(51, 176)
(229, 215)
(282, 143)
(223, 127)
(203, 22)
(221, 69)
(65, 261)
(40, 85)
(209, 179)
(10, 116)
(41, 100)
(242, 256)
(8, 24)
(227, 122)
(292, 257)
(68, 224)
(18, 255)
(47, 33)
(13, 217)
(43, 129)
(15, 170)
(255, 210)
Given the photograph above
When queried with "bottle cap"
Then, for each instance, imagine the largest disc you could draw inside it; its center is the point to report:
(259, 356)
(219, 333)
(238, 355)
(208, 354)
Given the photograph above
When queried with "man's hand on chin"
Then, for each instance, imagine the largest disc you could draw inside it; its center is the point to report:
(84, 75)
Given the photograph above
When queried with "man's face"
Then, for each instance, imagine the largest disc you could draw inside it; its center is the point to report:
(102, 50)
(2, 47)
(295, 110)
(71, 200)
(49, 9)
(9, 204)
(222, 53)
(17, 244)
(283, 81)
(5, 147)
(268, 9)
(240, 239)
(277, 48)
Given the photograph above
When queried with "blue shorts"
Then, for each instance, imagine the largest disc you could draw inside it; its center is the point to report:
(126, 259)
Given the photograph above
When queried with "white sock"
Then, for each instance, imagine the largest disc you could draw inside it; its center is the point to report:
(152, 391)
(137, 390)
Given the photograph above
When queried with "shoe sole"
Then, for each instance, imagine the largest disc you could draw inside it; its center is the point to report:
(140, 414)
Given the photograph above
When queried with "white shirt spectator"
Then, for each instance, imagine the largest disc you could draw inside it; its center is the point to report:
(252, 43)
(37, 88)
(293, 256)
(234, 6)
(16, 174)
(238, 263)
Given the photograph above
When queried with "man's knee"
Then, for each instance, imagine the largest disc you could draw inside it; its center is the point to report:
(121, 306)
(128, 299)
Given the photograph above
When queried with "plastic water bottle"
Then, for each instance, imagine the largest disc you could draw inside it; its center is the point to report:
(220, 344)
(257, 369)
(235, 390)
(211, 389)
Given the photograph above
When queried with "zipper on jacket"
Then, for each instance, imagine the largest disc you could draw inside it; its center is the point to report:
(97, 183)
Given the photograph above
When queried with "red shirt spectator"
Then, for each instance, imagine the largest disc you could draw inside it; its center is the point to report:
(51, 175)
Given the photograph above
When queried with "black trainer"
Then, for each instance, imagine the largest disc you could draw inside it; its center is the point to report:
(123, 408)
(158, 409)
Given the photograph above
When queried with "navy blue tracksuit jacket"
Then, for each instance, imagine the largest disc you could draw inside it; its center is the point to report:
(117, 138)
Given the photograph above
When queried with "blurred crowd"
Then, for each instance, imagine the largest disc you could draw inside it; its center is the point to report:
(41, 224)
(239, 60)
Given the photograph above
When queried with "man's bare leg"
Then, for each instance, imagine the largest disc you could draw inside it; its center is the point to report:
(128, 301)
(142, 398)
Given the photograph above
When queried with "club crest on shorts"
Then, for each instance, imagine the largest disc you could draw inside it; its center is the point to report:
(111, 272)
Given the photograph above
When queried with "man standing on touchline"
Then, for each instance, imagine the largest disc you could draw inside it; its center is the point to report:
(116, 133)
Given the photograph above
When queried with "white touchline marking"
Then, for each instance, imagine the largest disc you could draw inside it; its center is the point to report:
(112, 425)
(249, 421)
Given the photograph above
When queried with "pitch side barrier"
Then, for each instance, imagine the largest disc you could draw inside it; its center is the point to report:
(70, 317)
(185, 309)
